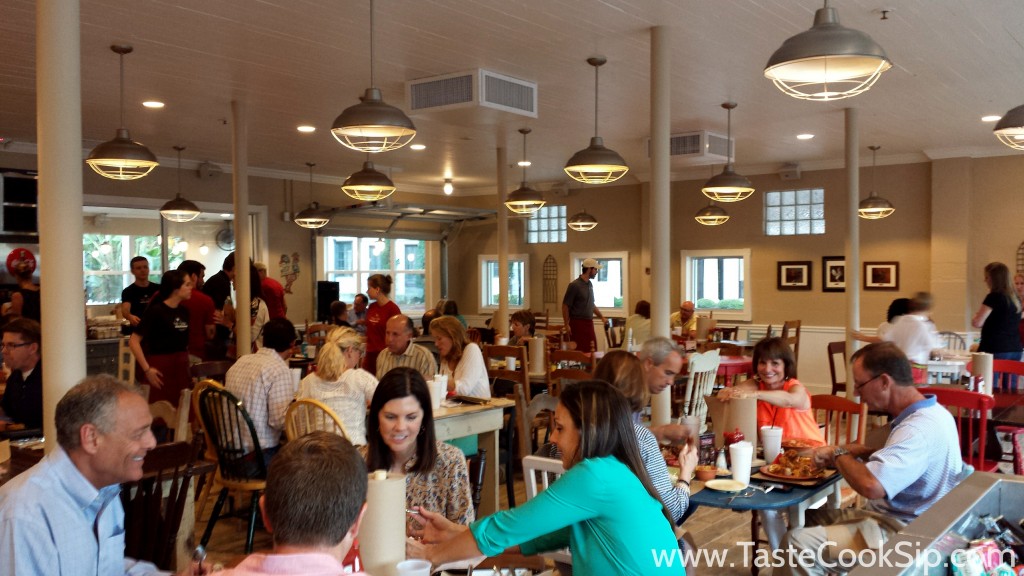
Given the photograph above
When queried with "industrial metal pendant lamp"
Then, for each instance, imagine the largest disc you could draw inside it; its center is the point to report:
(524, 200)
(596, 164)
(582, 222)
(368, 184)
(874, 207)
(373, 125)
(122, 158)
(827, 62)
(728, 186)
(179, 209)
(1010, 128)
(312, 217)
(711, 215)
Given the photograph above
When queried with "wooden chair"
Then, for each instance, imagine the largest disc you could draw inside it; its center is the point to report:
(176, 419)
(547, 470)
(474, 336)
(125, 362)
(317, 333)
(577, 366)
(952, 341)
(703, 369)
(728, 332)
(213, 370)
(846, 422)
(477, 466)
(1001, 375)
(615, 332)
(837, 349)
(494, 353)
(791, 334)
(541, 321)
(205, 483)
(307, 415)
(154, 505)
(970, 410)
(531, 417)
(239, 456)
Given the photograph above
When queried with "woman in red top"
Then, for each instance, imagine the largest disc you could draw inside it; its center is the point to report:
(378, 287)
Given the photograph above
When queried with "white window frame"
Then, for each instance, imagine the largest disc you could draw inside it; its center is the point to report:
(362, 274)
(482, 261)
(686, 258)
(575, 264)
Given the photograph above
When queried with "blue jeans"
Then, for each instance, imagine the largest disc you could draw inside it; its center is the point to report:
(1005, 382)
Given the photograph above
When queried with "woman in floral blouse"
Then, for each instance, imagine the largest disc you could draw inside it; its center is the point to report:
(400, 438)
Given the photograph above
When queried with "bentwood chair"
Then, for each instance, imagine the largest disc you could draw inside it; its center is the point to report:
(205, 483)
(241, 466)
(307, 415)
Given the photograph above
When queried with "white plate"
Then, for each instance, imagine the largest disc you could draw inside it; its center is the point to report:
(725, 485)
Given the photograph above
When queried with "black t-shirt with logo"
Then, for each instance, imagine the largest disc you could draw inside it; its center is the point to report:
(164, 330)
(139, 297)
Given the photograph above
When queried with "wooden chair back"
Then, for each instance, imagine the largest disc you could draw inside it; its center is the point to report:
(317, 333)
(952, 341)
(541, 321)
(615, 332)
(213, 370)
(125, 362)
(477, 466)
(155, 504)
(970, 410)
(727, 332)
(176, 419)
(845, 420)
(307, 415)
(234, 438)
(791, 334)
(530, 417)
(837, 349)
(494, 354)
(703, 369)
(571, 365)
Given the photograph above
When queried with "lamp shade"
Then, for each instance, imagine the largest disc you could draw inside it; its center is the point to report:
(728, 186)
(582, 222)
(373, 125)
(711, 215)
(596, 164)
(312, 217)
(368, 184)
(1010, 128)
(122, 158)
(179, 209)
(827, 62)
(524, 200)
(875, 208)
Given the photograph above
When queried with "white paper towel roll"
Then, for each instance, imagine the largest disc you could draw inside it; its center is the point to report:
(981, 365)
(382, 534)
(535, 354)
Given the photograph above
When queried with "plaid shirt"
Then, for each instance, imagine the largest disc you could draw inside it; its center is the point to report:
(263, 382)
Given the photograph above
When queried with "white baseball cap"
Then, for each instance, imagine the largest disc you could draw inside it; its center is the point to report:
(591, 263)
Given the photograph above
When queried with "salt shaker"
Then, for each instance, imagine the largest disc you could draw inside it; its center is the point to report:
(720, 463)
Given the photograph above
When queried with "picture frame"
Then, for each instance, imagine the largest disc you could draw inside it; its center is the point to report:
(795, 275)
(833, 274)
(882, 276)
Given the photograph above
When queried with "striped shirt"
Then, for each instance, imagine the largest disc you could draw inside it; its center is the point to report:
(415, 356)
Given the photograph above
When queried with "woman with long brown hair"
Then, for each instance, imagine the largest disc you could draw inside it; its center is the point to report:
(999, 319)
(461, 359)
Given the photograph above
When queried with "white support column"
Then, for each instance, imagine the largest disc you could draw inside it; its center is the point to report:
(661, 405)
(243, 231)
(852, 116)
(500, 321)
(59, 131)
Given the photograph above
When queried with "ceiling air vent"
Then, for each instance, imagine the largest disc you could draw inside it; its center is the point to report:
(473, 88)
(700, 147)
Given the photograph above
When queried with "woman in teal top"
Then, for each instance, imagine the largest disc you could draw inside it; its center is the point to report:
(603, 508)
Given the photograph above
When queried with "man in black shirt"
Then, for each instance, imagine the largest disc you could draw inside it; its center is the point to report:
(23, 399)
(218, 288)
(136, 296)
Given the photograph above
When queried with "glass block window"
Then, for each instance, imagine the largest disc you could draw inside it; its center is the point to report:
(791, 212)
(547, 225)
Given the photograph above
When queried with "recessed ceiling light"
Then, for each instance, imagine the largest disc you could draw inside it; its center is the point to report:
(305, 128)
(523, 163)
(804, 136)
(153, 104)
(418, 146)
(990, 118)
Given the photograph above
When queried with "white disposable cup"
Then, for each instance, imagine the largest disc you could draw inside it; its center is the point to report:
(413, 568)
(437, 393)
(296, 378)
(443, 379)
(510, 362)
(310, 351)
(741, 454)
(502, 341)
(771, 440)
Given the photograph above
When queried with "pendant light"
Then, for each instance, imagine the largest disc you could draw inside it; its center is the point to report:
(448, 187)
(874, 207)
(728, 186)
(596, 164)
(179, 209)
(827, 62)
(582, 222)
(122, 158)
(368, 184)
(312, 217)
(1010, 128)
(372, 125)
(711, 215)
(524, 200)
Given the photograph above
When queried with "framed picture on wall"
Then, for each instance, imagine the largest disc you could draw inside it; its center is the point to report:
(833, 273)
(881, 275)
(795, 275)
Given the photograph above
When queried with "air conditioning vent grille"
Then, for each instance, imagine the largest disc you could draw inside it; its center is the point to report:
(477, 87)
(685, 144)
(441, 92)
(510, 95)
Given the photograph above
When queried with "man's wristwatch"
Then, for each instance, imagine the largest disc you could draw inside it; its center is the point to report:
(839, 451)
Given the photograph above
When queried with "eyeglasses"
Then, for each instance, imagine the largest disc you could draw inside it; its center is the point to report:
(11, 345)
(857, 386)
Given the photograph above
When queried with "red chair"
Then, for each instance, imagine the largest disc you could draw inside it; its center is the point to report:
(970, 410)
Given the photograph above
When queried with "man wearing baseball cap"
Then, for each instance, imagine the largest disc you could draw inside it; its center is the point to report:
(578, 309)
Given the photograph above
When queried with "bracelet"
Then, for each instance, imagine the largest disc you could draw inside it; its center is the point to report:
(687, 482)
